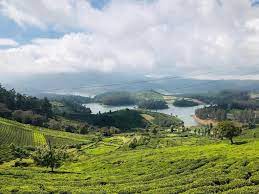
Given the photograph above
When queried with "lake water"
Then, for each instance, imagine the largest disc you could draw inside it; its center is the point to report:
(183, 113)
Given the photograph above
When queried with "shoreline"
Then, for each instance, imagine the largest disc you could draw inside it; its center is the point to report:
(204, 122)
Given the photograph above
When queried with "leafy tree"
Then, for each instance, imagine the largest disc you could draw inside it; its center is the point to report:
(228, 130)
(50, 157)
(84, 129)
(19, 152)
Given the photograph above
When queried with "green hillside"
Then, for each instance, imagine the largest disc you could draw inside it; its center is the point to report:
(121, 98)
(12, 132)
(162, 163)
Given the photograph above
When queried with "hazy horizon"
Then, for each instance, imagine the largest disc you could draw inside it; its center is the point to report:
(207, 39)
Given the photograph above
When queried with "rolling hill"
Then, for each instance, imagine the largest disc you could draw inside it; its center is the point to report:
(163, 163)
(12, 132)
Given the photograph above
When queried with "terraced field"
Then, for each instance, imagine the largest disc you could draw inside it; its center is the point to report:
(186, 165)
(12, 132)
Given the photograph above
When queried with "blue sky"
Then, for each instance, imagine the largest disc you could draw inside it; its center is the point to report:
(99, 4)
(255, 2)
(10, 29)
(153, 37)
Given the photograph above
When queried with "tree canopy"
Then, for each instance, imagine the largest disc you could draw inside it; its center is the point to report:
(20, 107)
(227, 129)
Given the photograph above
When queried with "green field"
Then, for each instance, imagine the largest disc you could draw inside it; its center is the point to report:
(12, 132)
(165, 163)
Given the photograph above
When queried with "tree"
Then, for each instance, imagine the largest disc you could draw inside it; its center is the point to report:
(46, 108)
(84, 129)
(50, 157)
(19, 152)
(228, 130)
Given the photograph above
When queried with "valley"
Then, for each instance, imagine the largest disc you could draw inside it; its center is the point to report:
(125, 149)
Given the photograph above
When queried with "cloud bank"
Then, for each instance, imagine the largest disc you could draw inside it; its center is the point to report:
(157, 36)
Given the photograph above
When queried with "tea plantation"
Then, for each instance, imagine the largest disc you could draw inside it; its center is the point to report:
(162, 163)
(12, 132)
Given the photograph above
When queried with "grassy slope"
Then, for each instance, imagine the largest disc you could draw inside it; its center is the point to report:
(27, 135)
(176, 165)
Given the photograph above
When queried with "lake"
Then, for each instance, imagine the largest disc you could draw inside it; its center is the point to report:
(184, 113)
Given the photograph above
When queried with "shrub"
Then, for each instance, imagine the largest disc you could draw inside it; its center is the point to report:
(50, 157)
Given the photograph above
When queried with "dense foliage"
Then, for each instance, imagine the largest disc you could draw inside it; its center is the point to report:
(128, 98)
(153, 104)
(229, 99)
(115, 98)
(122, 119)
(227, 129)
(217, 113)
(27, 109)
(71, 98)
(185, 103)
(65, 106)
(164, 120)
(211, 112)
(49, 157)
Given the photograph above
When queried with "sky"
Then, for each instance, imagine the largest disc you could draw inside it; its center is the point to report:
(205, 39)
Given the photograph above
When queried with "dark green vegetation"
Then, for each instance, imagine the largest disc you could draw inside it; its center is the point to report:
(42, 112)
(161, 162)
(162, 120)
(145, 100)
(25, 109)
(71, 98)
(122, 119)
(185, 103)
(68, 104)
(127, 120)
(153, 104)
(229, 99)
(115, 98)
(233, 105)
(212, 112)
(228, 130)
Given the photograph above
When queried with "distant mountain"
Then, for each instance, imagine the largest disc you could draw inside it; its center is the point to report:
(89, 84)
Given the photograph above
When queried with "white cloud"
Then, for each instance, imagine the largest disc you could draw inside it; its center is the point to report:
(8, 42)
(73, 53)
(160, 36)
